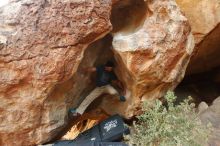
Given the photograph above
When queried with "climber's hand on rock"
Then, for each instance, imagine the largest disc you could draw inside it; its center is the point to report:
(88, 70)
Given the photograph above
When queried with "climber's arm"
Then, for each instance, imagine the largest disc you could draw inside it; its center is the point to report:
(90, 69)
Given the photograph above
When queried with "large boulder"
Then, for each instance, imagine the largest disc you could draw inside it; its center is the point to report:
(42, 45)
(46, 44)
(152, 52)
(204, 18)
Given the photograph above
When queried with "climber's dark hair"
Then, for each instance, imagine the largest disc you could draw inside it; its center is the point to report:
(109, 64)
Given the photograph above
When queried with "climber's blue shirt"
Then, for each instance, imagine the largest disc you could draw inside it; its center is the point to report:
(104, 77)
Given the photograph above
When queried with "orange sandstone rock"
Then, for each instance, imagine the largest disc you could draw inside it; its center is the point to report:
(204, 18)
(152, 56)
(44, 46)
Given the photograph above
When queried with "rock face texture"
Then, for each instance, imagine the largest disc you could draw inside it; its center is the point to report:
(152, 55)
(44, 46)
(211, 114)
(204, 18)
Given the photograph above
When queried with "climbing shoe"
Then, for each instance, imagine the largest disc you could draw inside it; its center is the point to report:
(122, 98)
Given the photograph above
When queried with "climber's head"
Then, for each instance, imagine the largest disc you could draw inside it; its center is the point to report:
(109, 66)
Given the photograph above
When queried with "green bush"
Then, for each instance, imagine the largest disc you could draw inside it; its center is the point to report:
(168, 125)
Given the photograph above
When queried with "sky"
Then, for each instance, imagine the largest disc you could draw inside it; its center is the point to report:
(3, 2)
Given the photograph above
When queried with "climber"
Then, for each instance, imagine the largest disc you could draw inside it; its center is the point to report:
(105, 77)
